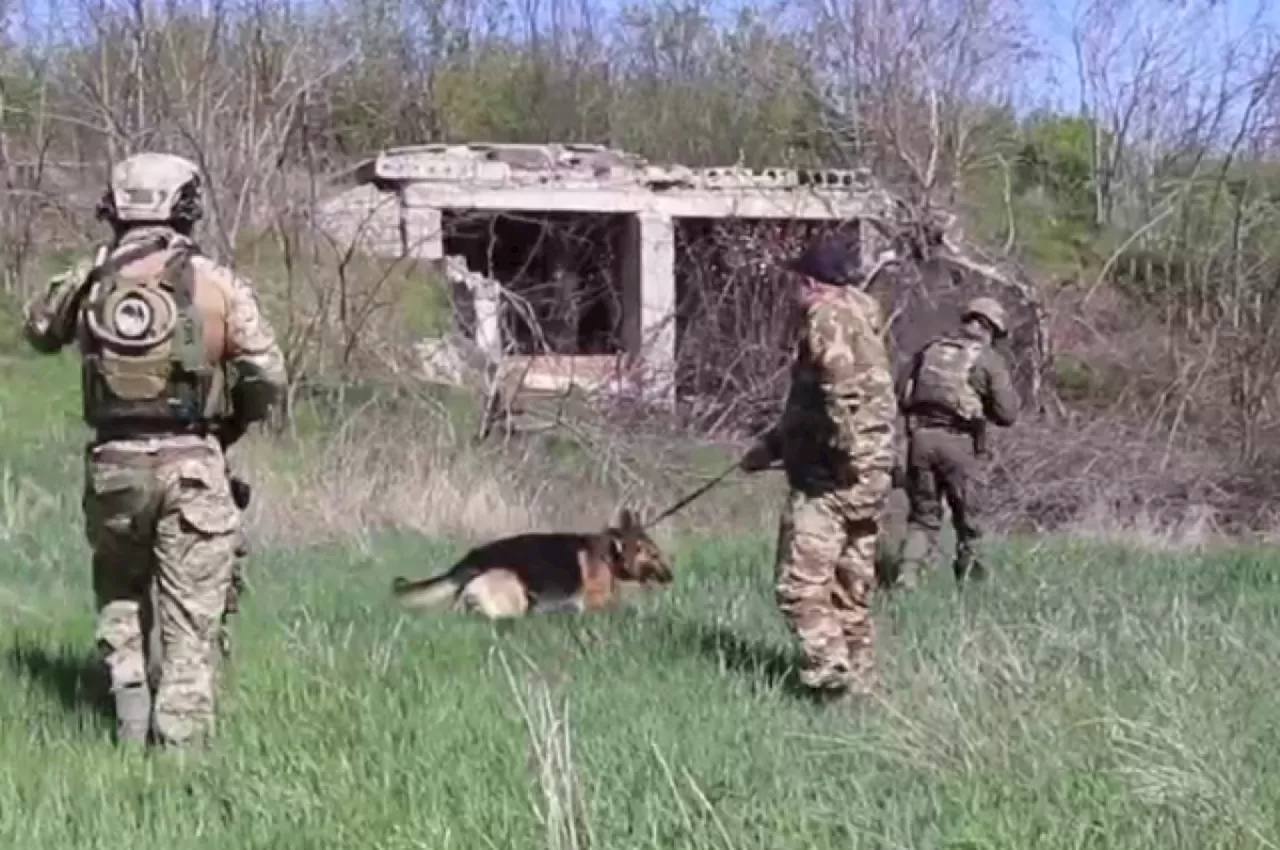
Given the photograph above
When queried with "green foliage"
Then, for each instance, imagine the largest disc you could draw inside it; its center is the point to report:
(1086, 696)
(21, 96)
(1061, 697)
(1055, 159)
(423, 305)
(11, 341)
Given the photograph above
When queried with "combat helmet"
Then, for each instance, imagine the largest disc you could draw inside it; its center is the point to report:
(153, 187)
(989, 309)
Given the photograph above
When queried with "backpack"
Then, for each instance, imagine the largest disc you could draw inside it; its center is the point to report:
(942, 378)
(144, 359)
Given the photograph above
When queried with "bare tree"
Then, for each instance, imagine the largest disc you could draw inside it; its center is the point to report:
(906, 86)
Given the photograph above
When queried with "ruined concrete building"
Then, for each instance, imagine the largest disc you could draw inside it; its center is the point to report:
(572, 253)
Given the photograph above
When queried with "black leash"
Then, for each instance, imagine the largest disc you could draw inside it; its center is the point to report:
(696, 494)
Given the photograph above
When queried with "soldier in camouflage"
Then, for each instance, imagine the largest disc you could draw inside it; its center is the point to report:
(835, 441)
(172, 345)
(954, 386)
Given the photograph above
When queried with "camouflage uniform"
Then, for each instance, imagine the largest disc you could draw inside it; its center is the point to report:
(835, 440)
(954, 386)
(159, 512)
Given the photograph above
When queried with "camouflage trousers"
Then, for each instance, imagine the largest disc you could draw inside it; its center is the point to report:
(825, 578)
(160, 518)
(942, 467)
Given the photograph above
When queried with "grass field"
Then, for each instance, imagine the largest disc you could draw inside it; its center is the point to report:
(1090, 697)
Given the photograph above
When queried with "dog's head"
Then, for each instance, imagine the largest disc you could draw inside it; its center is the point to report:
(634, 555)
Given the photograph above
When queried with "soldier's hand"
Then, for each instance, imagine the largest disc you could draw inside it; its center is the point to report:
(241, 492)
(757, 458)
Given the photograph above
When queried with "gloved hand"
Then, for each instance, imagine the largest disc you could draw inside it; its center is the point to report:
(757, 458)
(241, 492)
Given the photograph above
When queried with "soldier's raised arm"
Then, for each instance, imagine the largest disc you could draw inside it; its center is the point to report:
(995, 386)
(49, 319)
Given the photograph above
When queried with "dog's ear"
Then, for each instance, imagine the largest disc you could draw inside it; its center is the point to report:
(623, 520)
(616, 548)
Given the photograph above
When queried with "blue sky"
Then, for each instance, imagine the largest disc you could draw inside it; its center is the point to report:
(1052, 23)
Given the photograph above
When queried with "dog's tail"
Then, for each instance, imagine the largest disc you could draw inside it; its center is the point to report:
(428, 593)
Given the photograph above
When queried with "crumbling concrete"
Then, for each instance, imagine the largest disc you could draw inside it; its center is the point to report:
(405, 197)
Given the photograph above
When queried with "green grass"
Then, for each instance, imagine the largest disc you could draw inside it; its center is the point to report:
(1090, 697)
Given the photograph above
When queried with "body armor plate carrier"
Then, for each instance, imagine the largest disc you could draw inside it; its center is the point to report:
(144, 361)
(942, 380)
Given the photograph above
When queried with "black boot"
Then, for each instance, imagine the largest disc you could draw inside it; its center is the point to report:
(968, 566)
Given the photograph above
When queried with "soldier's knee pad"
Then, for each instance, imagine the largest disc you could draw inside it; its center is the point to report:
(129, 671)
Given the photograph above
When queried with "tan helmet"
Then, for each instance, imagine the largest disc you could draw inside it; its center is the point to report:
(989, 309)
(154, 187)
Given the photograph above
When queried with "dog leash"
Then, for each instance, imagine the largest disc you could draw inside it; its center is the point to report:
(696, 494)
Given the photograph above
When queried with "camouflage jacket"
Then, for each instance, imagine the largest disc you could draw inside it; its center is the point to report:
(54, 319)
(839, 415)
(989, 378)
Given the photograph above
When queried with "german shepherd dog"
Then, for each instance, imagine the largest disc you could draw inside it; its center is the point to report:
(544, 572)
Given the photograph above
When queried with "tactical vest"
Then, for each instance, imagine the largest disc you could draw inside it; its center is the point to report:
(144, 360)
(942, 379)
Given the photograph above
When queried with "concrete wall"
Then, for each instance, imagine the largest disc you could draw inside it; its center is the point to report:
(656, 248)
(408, 221)
(676, 203)
(366, 216)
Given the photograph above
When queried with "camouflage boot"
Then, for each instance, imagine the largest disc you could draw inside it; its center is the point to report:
(133, 715)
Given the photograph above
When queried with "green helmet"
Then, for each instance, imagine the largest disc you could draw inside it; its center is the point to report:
(989, 309)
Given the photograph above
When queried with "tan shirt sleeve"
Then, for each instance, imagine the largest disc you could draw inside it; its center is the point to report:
(251, 342)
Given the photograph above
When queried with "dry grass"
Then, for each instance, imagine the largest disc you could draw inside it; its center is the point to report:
(1195, 530)
(390, 470)
(350, 484)
(1092, 696)
(1108, 471)
(380, 469)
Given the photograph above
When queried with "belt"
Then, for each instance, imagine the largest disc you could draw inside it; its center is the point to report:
(935, 417)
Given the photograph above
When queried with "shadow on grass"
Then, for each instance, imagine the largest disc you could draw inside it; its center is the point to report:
(766, 664)
(72, 678)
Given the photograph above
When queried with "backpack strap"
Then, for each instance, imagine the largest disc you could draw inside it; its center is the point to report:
(133, 254)
(109, 267)
(188, 341)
